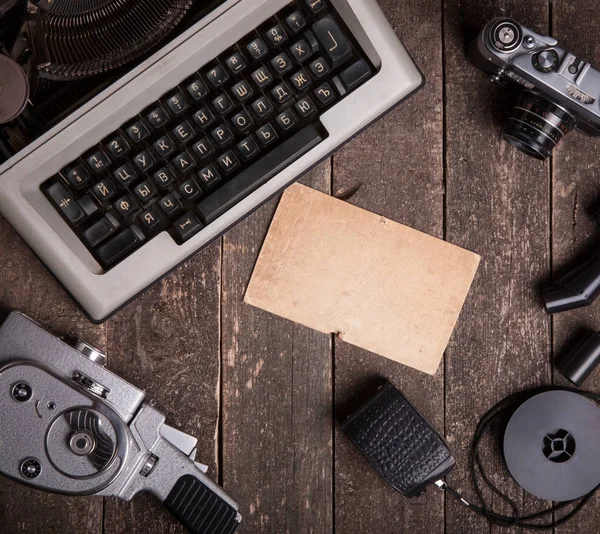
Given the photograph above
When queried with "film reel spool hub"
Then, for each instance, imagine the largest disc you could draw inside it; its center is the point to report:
(552, 446)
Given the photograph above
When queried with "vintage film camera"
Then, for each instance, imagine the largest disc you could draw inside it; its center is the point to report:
(559, 91)
(70, 426)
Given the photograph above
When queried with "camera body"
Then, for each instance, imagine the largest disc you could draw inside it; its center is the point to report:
(559, 90)
(70, 426)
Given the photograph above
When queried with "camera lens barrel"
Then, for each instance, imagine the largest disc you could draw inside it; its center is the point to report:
(537, 125)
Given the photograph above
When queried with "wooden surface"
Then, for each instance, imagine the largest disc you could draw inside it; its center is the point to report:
(262, 393)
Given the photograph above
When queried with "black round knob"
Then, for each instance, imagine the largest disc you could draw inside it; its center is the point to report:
(30, 468)
(22, 392)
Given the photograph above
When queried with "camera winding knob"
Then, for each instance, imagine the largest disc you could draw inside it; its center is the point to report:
(91, 352)
(506, 36)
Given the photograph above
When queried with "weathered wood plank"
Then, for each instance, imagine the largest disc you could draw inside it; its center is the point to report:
(399, 161)
(575, 189)
(28, 287)
(497, 205)
(276, 398)
(168, 343)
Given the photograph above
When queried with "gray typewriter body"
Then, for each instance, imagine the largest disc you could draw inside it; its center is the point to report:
(100, 291)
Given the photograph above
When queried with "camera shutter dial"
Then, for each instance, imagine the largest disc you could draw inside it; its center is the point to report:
(546, 61)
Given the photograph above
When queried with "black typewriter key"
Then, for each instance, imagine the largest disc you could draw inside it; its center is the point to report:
(197, 89)
(104, 190)
(187, 226)
(145, 192)
(242, 91)
(209, 177)
(325, 94)
(228, 162)
(257, 48)
(301, 51)
(177, 104)
(163, 178)
(157, 117)
(164, 146)
(184, 162)
(281, 63)
(121, 245)
(301, 80)
(65, 202)
(150, 220)
(262, 77)
(204, 117)
(296, 21)
(77, 176)
(355, 74)
(335, 44)
(216, 76)
(319, 67)
(281, 93)
(236, 63)
(266, 135)
(310, 38)
(117, 146)
(125, 207)
(315, 5)
(87, 204)
(286, 120)
(125, 174)
(222, 104)
(203, 148)
(100, 230)
(137, 131)
(276, 35)
(262, 107)
(241, 121)
(169, 205)
(247, 148)
(144, 160)
(190, 189)
(222, 135)
(305, 107)
(184, 132)
(98, 161)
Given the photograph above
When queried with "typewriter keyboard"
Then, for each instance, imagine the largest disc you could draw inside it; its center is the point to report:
(214, 138)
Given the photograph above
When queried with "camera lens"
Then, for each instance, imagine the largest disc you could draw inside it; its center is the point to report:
(537, 125)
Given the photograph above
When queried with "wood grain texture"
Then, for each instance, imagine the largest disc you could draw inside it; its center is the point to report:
(399, 162)
(497, 206)
(264, 413)
(168, 343)
(576, 180)
(277, 457)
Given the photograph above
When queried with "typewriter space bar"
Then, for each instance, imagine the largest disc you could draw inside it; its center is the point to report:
(258, 173)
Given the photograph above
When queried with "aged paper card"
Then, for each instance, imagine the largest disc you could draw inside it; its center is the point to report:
(378, 284)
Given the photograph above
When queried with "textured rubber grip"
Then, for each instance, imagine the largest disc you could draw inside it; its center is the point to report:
(199, 509)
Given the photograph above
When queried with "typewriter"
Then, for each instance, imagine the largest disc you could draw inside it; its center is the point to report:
(152, 127)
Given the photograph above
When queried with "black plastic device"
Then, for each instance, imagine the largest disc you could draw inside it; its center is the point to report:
(583, 358)
(576, 289)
